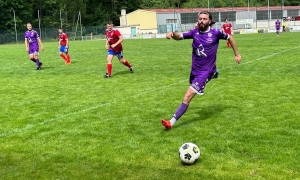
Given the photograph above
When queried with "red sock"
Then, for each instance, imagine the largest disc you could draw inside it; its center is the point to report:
(228, 44)
(126, 63)
(64, 57)
(68, 58)
(109, 68)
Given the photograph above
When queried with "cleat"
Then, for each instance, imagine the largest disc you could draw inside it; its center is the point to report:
(39, 67)
(216, 74)
(131, 69)
(68, 63)
(107, 76)
(166, 124)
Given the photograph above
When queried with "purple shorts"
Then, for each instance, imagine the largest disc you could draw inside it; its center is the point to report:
(198, 82)
(33, 50)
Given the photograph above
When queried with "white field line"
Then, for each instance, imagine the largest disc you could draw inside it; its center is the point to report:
(30, 126)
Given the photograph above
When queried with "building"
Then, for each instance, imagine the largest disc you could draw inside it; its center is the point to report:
(153, 21)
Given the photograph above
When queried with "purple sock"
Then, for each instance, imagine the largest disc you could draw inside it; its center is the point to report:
(180, 111)
(37, 62)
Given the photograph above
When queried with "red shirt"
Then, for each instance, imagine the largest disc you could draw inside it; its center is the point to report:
(63, 39)
(112, 37)
(227, 28)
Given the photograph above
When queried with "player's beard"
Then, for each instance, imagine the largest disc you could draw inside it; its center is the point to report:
(203, 27)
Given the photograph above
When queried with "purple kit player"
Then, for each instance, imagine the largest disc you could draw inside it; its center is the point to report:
(205, 45)
(277, 26)
(32, 42)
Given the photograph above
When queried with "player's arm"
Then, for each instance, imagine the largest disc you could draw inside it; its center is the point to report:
(58, 43)
(121, 39)
(106, 44)
(235, 50)
(26, 45)
(41, 44)
(174, 35)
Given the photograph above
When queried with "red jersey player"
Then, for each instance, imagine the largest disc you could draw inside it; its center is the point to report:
(227, 28)
(63, 46)
(114, 48)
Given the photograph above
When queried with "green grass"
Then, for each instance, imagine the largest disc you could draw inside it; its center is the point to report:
(68, 122)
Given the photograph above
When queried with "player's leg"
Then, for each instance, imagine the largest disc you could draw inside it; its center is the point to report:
(37, 61)
(31, 58)
(61, 53)
(197, 87)
(68, 55)
(190, 93)
(110, 55)
(123, 61)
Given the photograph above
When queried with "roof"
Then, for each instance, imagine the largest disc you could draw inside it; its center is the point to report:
(189, 10)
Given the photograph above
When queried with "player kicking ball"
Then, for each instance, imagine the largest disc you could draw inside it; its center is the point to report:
(205, 45)
(32, 42)
(114, 48)
(63, 46)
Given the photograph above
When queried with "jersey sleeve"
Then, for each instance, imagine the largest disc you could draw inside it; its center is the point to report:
(65, 36)
(222, 35)
(189, 35)
(37, 35)
(117, 32)
(25, 36)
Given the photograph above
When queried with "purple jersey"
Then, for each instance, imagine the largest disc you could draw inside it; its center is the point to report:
(32, 38)
(205, 47)
(277, 25)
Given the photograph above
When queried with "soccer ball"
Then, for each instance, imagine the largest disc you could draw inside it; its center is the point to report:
(189, 153)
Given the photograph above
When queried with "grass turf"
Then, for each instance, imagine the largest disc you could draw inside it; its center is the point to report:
(68, 122)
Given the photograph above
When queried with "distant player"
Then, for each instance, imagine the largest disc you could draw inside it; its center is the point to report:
(227, 28)
(283, 26)
(277, 26)
(63, 46)
(114, 48)
(205, 46)
(32, 43)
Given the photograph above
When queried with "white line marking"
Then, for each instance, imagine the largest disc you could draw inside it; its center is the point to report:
(30, 126)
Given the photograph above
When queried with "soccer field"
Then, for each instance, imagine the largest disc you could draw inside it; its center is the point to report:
(68, 122)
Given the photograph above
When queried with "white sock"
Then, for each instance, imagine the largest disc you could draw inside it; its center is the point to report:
(172, 121)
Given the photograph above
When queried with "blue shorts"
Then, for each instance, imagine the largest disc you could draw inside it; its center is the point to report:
(63, 49)
(118, 54)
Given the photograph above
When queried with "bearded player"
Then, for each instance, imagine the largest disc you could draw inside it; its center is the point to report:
(227, 28)
(205, 46)
(32, 42)
(63, 46)
(114, 48)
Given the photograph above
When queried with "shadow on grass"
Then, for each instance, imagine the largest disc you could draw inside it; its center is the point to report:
(124, 72)
(203, 113)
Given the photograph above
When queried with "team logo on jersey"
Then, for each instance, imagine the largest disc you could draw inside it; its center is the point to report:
(209, 34)
(200, 51)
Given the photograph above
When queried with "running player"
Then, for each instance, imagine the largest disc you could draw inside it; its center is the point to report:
(227, 28)
(205, 45)
(32, 43)
(63, 46)
(277, 26)
(114, 48)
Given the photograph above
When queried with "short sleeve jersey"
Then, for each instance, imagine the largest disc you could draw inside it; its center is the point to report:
(205, 47)
(32, 38)
(277, 25)
(112, 37)
(63, 39)
(227, 28)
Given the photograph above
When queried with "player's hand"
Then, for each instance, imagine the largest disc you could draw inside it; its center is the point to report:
(58, 47)
(169, 35)
(107, 46)
(42, 47)
(113, 45)
(238, 58)
(27, 49)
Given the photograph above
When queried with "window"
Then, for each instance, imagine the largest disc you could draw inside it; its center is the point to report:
(171, 21)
